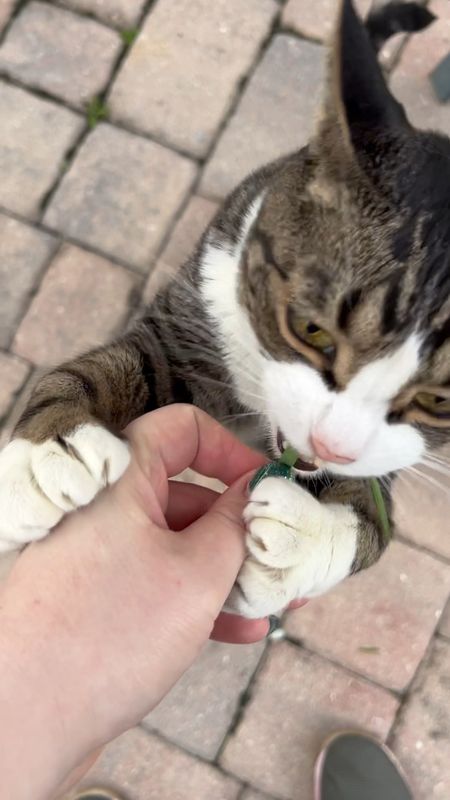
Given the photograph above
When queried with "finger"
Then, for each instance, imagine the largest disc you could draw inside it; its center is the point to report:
(215, 543)
(186, 503)
(170, 439)
(237, 630)
(223, 519)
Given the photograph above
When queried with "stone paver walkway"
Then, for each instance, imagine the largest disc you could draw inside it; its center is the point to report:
(123, 124)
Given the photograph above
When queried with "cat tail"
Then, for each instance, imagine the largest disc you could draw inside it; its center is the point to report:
(396, 17)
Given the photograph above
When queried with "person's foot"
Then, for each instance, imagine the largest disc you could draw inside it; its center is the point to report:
(97, 794)
(355, 766)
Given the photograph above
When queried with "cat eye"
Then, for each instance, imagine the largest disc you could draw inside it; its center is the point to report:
(435, 404)
(311, 334)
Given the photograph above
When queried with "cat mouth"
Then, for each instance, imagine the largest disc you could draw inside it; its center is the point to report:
(302, 463)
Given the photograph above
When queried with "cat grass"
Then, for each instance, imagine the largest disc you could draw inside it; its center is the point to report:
(281, 468)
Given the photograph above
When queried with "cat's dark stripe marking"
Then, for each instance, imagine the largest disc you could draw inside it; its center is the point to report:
(151, 357)
(267, 247)
(437, 339)
(32, 410)
(348, 305)
(181, 391)
(389, 319)
(148, 373)
(403, 240)
(329, 379)
(319, 293)
(87, 385)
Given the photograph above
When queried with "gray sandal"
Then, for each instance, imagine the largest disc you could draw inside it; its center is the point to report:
(355, 766)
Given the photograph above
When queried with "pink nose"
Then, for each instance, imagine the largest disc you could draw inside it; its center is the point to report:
(326, 454)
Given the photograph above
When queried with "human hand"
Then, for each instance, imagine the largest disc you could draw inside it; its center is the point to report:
(110, 610)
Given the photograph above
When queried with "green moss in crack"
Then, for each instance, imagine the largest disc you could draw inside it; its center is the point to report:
(129, 35)
(96, 111)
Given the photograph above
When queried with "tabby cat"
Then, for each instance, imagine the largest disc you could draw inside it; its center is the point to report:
(317, 304)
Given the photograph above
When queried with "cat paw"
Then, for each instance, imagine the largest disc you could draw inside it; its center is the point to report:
(297, 548)
(39, 483)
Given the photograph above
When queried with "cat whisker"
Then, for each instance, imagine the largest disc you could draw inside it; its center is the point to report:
(437, 470)
(222, 384)
(427, 479)
(199, 352)
(246, 373)
(328, 480)
(436, 467)
(406, 481)
(436, 460)
(231, 417)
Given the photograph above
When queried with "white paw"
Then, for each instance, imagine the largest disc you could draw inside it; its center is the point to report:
(39, 483)
(298, 548)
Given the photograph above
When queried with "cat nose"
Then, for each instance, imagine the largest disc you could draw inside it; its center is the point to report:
(326, 454)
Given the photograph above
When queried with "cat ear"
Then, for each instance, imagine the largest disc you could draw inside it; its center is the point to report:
(358, 103)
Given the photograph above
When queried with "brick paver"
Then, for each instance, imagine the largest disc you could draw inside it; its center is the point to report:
(120, 194)
(199, 710)
(121, 13)
(186, 233)
(287, 85)
(316, 20)
(422, 737)
(145, 768)
(421, 509)
(62, 53)
(35, 136)
(82, 301)
(297, 700)
(13, 373)
(24, 253)
(410, 78)
(182, 72)
(394, 608)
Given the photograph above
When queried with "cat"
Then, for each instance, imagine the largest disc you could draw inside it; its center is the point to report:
(317, 306)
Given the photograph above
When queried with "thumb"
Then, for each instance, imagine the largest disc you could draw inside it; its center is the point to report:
(219, 535)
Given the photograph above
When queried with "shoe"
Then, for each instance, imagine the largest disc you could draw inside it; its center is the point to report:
(355, 766)
(97, 794)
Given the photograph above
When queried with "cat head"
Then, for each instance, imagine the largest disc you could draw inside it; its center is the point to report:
(346, 277)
